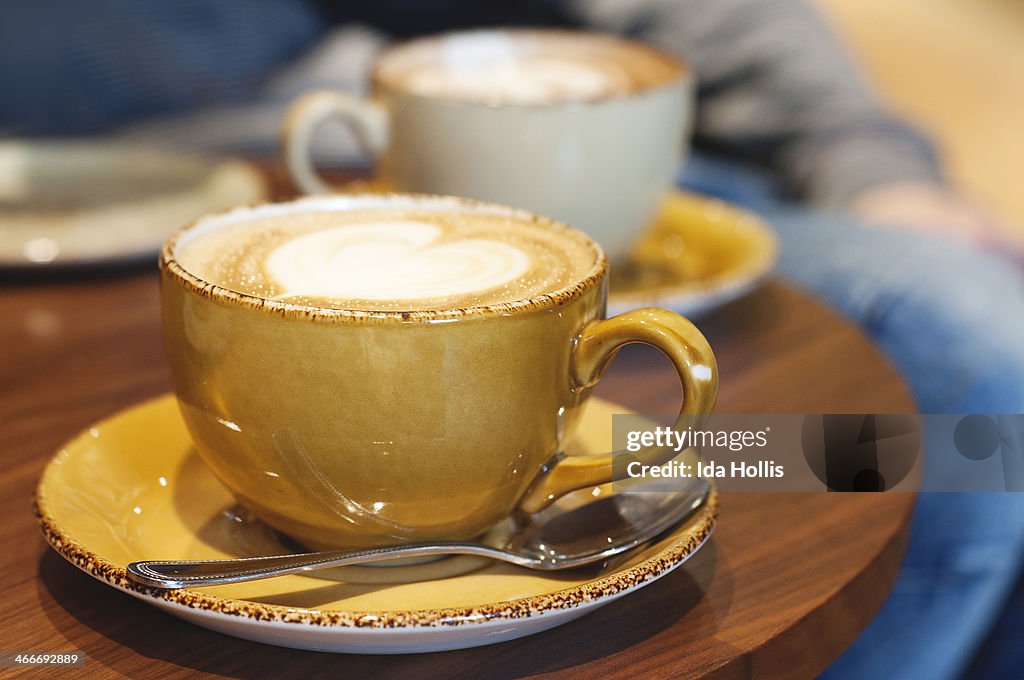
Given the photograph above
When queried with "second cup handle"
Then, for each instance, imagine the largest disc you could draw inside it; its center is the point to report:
(693, 359)
(366, 119)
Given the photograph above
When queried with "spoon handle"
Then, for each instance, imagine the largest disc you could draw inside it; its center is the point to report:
(172, 574)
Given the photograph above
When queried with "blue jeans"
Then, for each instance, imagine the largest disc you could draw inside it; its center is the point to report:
(952, 321)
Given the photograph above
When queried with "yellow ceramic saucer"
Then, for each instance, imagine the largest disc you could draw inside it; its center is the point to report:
(699, 253)
(131, 487)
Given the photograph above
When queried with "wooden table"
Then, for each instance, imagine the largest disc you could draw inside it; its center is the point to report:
(785, 585)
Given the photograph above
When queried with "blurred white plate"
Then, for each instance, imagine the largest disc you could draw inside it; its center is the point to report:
(85, 202)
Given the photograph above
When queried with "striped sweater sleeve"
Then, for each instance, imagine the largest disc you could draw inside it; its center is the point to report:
(776, 88)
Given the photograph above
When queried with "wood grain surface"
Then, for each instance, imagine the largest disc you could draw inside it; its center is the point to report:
(786, 583)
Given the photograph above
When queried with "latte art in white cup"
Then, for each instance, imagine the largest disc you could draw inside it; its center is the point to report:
(526, 80)
(524, 67)
(387, 260)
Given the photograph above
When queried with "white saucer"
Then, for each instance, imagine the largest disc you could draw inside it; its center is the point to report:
(89, 202)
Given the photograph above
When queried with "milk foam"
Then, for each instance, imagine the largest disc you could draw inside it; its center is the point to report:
(525, 67)
(531, 80)
(388, 259)
(391, 260)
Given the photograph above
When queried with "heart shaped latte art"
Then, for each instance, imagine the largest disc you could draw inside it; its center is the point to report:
(391, 260)
(534, 80)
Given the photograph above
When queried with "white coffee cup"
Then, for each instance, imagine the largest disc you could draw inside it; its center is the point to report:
(540, 130)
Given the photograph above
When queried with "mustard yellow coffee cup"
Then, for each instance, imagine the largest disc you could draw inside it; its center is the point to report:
(352, 428)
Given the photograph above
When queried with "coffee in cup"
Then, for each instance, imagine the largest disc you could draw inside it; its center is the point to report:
(365, 369)
(386, 260)
(526, 67)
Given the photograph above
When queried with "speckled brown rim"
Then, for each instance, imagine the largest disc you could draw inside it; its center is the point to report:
(684, 76)
(699, 530)
(170, 266)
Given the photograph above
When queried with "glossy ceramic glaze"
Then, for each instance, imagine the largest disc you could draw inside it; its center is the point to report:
(601, 166)
(346, 428)
(132, 487)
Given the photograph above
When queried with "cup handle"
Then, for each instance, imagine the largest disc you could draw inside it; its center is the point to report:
(693, 359)
(367, 120)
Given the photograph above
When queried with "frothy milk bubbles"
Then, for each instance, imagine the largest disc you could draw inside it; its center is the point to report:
(391, 260)
(387, 260)
(524, 67)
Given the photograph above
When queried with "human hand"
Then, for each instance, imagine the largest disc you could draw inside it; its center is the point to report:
(925, 207)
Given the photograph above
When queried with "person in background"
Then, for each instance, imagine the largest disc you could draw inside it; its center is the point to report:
(785, 126)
